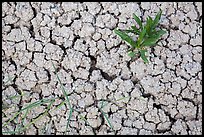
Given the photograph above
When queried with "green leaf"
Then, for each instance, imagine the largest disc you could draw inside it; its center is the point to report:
(157, 34)
(149, 21)
(149, 25)
(160, 32)
(138, 21)
(141, 36)
(125, 37)
(150, 42)
(135, 30)
(129, 31)
(150, 18)
(157, 18)
(142, 53)
(154, 38)
(131, 54)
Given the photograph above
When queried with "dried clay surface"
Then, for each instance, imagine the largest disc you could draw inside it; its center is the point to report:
(163, 97)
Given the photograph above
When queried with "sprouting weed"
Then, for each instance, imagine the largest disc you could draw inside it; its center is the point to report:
(147, 36)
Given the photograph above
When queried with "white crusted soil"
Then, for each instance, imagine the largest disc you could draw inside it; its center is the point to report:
(163, 97)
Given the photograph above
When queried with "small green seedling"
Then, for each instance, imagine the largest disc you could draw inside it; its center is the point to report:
(147, 36)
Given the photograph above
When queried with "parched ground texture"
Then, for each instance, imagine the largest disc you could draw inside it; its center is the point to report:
(162, 97)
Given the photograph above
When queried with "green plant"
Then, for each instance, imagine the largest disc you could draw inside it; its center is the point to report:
(106, 117)
(147, 36)
(23, 112)
(66, 97)
(21, 128)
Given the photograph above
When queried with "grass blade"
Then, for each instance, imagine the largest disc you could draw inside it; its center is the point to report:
(67, 98)
(153, 40)
(157, 18)
(129, 31)
(139, 22)
(131, 54)
(122, 98)
(84, 119)
(141, 36)
(149, 25)
(45, 113)
(62, 87)
(23, 120)
(42, 101)
(29, 124)
(68, 121)
(125, 37)
(150, 42)
(109, 123)
(16, 96)
(136, 31)
(28, 107)
(142, 53)
(160, 33)
(106, 117)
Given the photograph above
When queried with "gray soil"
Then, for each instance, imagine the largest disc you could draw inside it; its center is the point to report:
(162, 97)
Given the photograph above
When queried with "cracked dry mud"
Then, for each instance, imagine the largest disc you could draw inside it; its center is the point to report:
(163, 97)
